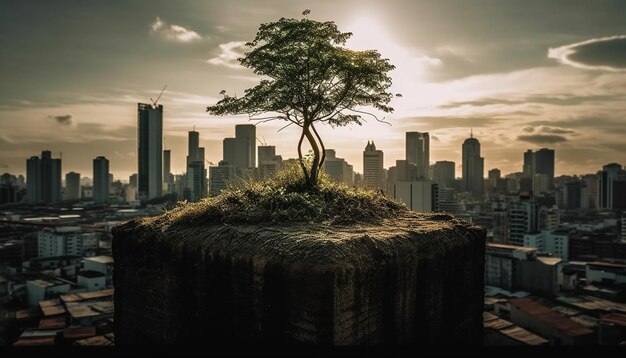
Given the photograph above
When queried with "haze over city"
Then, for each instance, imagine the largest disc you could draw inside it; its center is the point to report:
(522, 75)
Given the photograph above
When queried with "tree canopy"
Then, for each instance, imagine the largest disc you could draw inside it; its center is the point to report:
(310, 77)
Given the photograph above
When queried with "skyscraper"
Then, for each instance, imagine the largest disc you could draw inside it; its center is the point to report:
(473, 167)
(72, 186)
(338, 169)
(150, 151)
(229, 147)
(43, 179)
(444, 174)
(196, 171)
(523, 219)
(167, 171)
(268, 161)
(543, 163)
(609, 174)
(373, 174)
(418, 152)
(101, 180)
(527, 169)
(494, 176)
(245, 135)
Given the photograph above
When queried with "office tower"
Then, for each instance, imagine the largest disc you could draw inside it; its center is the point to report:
(607, 177)
(527, 168)
(33, 180)
(269, 162)
(245, 135)
(523, 219)
(572, 195)
(543, 163)
(417, 195)
(133, 180)
(338, 169)
(220, 177)
(150, 151)
(373, 174)
(444, 173)
(494, 175)
(418, 152)
(101, 180)
(167, 171)
(196, 171)
(229, 146)
(72, 186)
(43, 179)
(473, 167)
(540, 183)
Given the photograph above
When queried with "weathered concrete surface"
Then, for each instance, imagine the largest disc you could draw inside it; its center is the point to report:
(415, 279)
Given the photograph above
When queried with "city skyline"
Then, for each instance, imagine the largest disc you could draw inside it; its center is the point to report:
(520, 80)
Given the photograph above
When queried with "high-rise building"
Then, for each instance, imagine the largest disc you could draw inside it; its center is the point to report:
(269, 162)
(43, 179)
(606, 177)
(229, 147)
(417, 195)
(167, 171)
(494, 175)
(220, 177)
(444, 173)
(150, 151)
(101, 180)
(245, 135)
(473, 167)
(543, 163)
(373, 174)
(338, 169)
(527, 168)
(591, 183)
(418, 152)
(72, 186)
(196, 171)
(523, 219)
(540, 183)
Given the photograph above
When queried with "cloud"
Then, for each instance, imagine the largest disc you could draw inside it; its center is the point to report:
(528, 129)
(173, 32)
(542, 138)
(555, 130)
(606, 53)
(558, 100)
(230, 52)
(65, 120)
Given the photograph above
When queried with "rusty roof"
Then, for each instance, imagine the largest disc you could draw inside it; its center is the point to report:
(606, 264)
(548, 316)
(53, 310)
(74, 297)
(26, 314)
(47, 303)
(524, 336)
(35, 341)
(54, 322)
(497, 324)
(96, 341)
(512, 247)
(614, 318)
(79, 332)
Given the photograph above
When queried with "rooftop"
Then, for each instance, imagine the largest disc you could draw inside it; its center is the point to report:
(100, 259)
(79, 332)
(91, 274)
(614, 318)
(512, 247)
(545, 314)
(52, 323)
(549, 260)
(75, 297)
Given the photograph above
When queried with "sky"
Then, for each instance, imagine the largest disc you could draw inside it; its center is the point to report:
(519, 74)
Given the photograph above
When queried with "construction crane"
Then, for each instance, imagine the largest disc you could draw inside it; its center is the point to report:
(263, 142)
(154, 102)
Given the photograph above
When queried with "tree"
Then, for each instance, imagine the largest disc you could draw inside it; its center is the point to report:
(309, 78)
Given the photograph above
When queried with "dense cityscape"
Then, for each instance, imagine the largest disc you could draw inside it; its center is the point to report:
(555, 259)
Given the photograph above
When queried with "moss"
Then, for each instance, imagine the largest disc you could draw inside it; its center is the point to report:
(284, 198)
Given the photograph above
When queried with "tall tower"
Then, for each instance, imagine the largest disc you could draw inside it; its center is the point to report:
(373, 174)
(196, 171)
(418, 152)
(150, 151)
(245, 135)
(606, 178)
(473, 167)
(33, 180)
(72, 186)
(444, 173)
(43, 179)
(167, 169)
(543, 163)
(101, 180)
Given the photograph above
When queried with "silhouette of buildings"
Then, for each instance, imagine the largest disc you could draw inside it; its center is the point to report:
(444, 173)
(418, 152)
(150, 151)
(473, 167)
(523, 219)
(269, 162)
(168, 178)
(196, 171)
(338, 169)
(101, 180)
(541, 163)
(245, 153)
(43, 179)
(373, 172)
(72, 186)
(611, 177)
(220, 176)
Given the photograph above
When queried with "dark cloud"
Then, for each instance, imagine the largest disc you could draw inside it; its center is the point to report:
(65, 120)
(4, 166)
(542, 138)
(564, 100)
(528, 129)
(554, 130)
(607, 53)
(434, 123)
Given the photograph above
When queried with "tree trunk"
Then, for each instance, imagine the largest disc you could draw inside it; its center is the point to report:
(322, 149)
(301, 159)
(312, 182)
